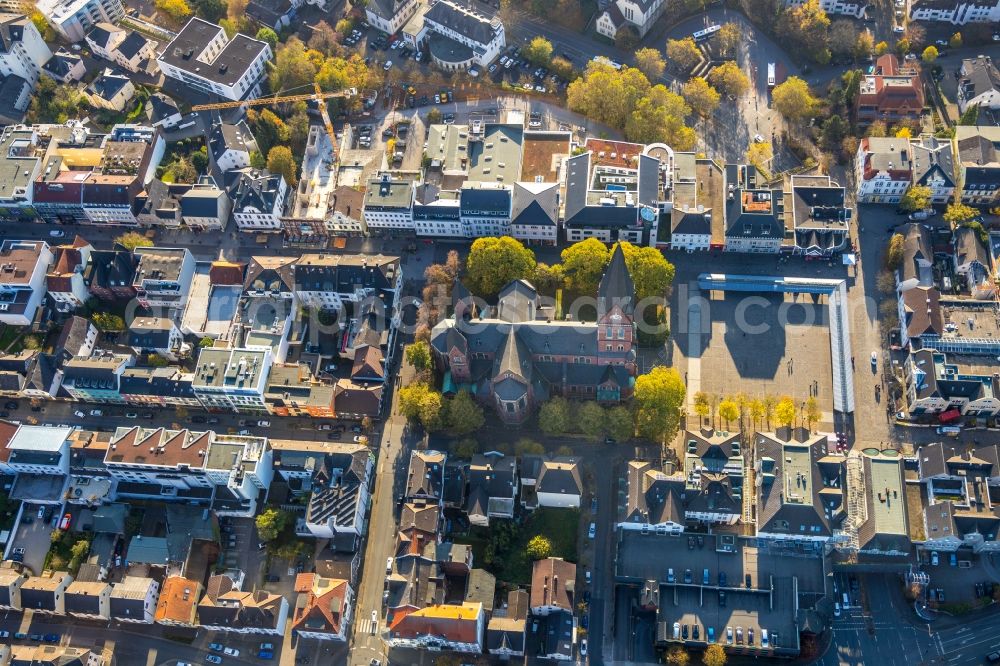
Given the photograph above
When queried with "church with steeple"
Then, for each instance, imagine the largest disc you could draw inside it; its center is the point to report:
(515, 355)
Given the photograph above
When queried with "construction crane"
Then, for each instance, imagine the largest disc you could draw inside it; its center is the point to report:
(319, 96)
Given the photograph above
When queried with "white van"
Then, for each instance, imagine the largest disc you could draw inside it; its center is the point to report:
(847, 601)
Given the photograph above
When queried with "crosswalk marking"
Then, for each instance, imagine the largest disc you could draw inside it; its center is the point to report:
(366, 626)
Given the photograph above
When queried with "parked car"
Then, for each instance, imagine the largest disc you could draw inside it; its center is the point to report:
(51, 638)
(213, 658)
(231, 652)
(263, 423)
(934, 558)
(583, 648)
(592, 531)
(57, 233)
(96, 412)
(78, 414)
(215, 647)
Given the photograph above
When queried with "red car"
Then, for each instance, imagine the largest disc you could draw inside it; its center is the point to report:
(64, 525)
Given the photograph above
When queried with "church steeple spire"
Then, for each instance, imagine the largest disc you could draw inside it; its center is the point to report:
(616, 286)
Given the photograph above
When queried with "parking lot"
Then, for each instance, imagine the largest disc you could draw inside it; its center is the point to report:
(34, 536)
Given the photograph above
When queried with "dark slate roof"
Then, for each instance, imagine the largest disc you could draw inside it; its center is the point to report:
(513, 358)
(72, 336)
(617, 287)
(132, 44)
(462, 20)
(969, 249)
(932, 159)
(755, 214)
(691, 221)
(517, 302)
(226, 136)
(108, 84)
(229, 65)
(577, 184)
(534, 214)
(100, 34)
(61, 62)
(337, 487)
(425, 477)
(201, 202)
(484, 201)
(111, 268)
(560, 476)
(257, 190)
(166, 382)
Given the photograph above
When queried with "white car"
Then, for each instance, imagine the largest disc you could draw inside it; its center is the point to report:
(592, 531)
(374, 616)
(231, 652)
(264, 424)
(874, 358)
(78, 414)
(57, 233)
(387, 66)
(96, 412)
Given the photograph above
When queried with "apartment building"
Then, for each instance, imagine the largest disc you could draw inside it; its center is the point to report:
(203, 57)
(64, 280)
(978, 164)
(22, 150)
(328, 281)
(883, 169)
(390, 15)
(23, 52)
(259, 199)
(163, 277)
(891, 92)
(23, 266)
(133, 600)
(72, 19)
(956, 12)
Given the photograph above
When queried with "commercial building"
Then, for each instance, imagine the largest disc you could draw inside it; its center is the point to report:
(259, 199)
(163, 277)
(978, 164)
(891, 92)
(883, 170)
(23, 265)
(233, 379)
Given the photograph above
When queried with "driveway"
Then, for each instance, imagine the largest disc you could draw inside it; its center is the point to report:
(34, 538)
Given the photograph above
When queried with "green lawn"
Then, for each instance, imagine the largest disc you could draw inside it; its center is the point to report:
(500, 549)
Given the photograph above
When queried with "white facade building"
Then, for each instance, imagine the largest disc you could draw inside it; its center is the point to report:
(23, 265)
(22, 49)
(957, 13)
(72, 19)
(203, 57)
(882, 169)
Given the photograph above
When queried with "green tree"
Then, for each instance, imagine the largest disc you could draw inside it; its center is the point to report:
(701, 404)
(881, 48)
(864, 45)
(590, 419)
(813, 412)
(539, 547)
(210, 10)
(538, 51)
(715, 655)
(683, 53)
(419, 402)
(757, 411)
(626, 38)
(651, 273)
(659, 116)
(843, 38)
(929, 55)
(547, 279)
(903, 46)
(971, 115)
(324, 38)
(700, 96)
(270, 523)
(583, 265)
(156, 361)
(729, 79)
(107, 322)
(658, 399)
(528, 447)
(494, 262)
(793, 100)
(280, 160)
(555, 417)
(268, 35)
(418, 355)
(806, 29)
(292, 67)
(269, 130)
(894, 253)
(53, 102)
(728, 38)
(130, 240)
(621, 426)
(678, 656)
(176, 10)
(955, 41)
(465, 449)
(434, 116)
(959, 213)
(785, 411)
(182, 170)
(463, 414)
(728, 411)
(759, 154)
(206, 342)
(650, 62)
(834, 131)
(607, 95)
(199, 160)
(917, 197)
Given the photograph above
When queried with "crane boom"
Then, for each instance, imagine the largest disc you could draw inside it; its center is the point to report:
(261, 101)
